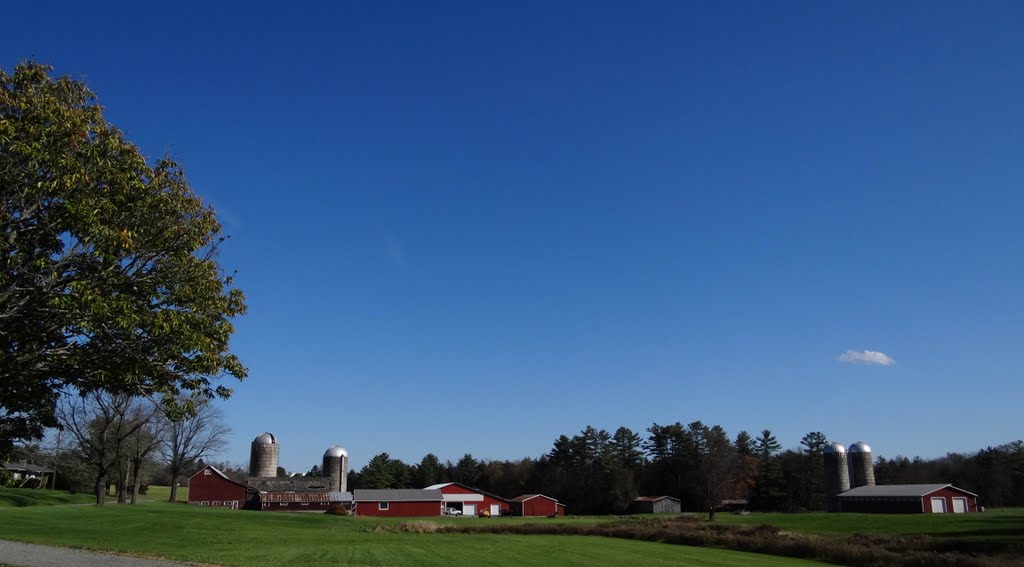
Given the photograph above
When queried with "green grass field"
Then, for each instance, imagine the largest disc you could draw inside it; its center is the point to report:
(1004, 526)
(162, 493)
(222, 537)
(225, 537)
(22, 497)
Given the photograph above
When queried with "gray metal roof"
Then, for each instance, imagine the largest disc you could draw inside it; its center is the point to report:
(25, 467)
(897, 491)
(340, 496)
(397, 495)
(654, 498)
(298, 484)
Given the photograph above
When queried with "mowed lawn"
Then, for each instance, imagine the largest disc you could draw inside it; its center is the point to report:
(162, 493)
(226, 537)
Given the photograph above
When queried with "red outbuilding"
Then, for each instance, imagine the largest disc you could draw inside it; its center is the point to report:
(469, 501)
(210, 487)
(908, 499)
(404, 502)
(536, 505)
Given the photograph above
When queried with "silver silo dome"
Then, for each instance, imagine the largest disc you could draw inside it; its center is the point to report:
(837, 475)
(862, 465)
(336, 468)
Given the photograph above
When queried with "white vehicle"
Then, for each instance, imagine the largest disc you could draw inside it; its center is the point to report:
(448, 511)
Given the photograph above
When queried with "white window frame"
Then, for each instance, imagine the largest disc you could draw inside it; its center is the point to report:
(383, 505)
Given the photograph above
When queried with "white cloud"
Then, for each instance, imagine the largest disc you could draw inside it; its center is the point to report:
(866, 357)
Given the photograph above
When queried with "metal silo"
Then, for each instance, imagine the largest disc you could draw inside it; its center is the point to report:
(263, 456)
(862, 465)
(837, 475)
(336, 468)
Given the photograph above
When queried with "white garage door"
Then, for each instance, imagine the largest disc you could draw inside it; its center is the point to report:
(938, 505)
(469, 509)
(495, 510)
(959, 505)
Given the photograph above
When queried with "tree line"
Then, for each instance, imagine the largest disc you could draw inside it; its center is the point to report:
(597, 472)
(122, 443)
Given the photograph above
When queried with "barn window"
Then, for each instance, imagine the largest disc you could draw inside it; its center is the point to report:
(283, 504)
(382, 505)
(216, 502)
(305, 503)
(204, 503)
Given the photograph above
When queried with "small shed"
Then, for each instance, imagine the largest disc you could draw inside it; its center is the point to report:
(908, 499)
(536, 505)
(211, 487)
(656, 505)
(397, 502)
(471, 501)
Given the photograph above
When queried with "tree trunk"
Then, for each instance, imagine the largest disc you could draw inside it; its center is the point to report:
(174, 488)
(101, 491)
(122, 484)
(136, 481)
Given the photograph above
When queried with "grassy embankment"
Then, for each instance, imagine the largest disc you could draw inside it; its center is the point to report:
(226, 537)
(24, 497)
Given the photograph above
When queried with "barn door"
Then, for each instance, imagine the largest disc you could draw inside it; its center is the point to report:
(938, 505)
(959, 505)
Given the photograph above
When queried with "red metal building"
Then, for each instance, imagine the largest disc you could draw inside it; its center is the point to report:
(398, 502)
(536, 505)
(908, 499)
(471, 501)
(301, 501)
(210, 487)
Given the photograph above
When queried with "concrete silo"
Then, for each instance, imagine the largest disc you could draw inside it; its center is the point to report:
(336, 468)
(263, 456)
(862, 465)
(837, 475)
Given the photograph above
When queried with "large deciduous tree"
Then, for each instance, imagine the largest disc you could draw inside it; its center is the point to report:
(108, 271)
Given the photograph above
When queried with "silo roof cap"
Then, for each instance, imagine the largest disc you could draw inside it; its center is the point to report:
(265, 439)
(835, 448)
(860, 447)
(336, 451)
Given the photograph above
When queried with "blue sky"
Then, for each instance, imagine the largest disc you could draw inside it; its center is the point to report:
(475, 226)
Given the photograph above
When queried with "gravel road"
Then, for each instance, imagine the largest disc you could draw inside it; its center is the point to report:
(32, 555)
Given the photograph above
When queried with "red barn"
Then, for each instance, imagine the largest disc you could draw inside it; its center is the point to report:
(471, 501)
(397, 502)
(210, 487)
(908, 499)
(536, 505)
